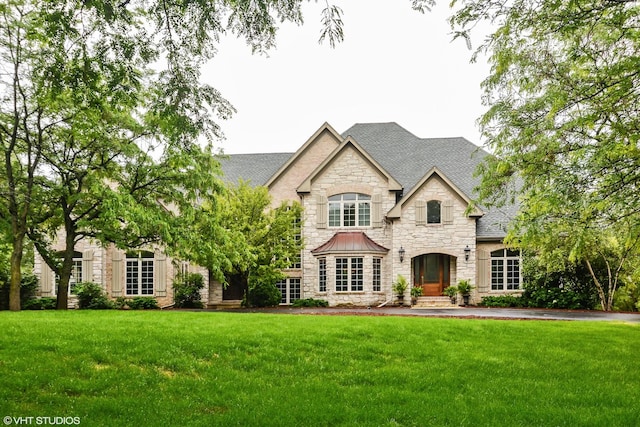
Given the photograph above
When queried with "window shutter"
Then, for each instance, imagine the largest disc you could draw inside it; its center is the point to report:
(321, 212)
(161, 275)
(117, 273)
(447, 212)
(377, 210)
(421, 213)
(46, 276)
(483, 266)
(87, 266)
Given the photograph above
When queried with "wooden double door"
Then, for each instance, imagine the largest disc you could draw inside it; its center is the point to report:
(431, 272)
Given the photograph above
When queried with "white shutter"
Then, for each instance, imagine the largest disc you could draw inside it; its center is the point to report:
(447, 212)
(161, 276)
(421, 213)
(87, 266)
(377, 211)
(117, 273)
(46, 280)
(321, 212)
(483, 266)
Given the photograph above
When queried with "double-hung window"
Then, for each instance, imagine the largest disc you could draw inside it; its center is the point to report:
(289, 290)
(349, 274)
(350, 210)
(139, 273)
(505, 270)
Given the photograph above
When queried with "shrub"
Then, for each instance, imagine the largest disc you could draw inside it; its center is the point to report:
(627, 298)
(264, 295)
(187, 290)
(502, 301)
(571, 287)
(44, 303)
(120, 303)
(90, 295)
(143, 303)
(28, 287)
(310, 302)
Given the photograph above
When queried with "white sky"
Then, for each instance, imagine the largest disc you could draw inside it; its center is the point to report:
(395, 65)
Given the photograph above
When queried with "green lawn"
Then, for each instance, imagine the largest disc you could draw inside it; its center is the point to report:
(135, 368)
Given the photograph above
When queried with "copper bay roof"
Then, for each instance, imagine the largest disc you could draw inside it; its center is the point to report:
(350, 242)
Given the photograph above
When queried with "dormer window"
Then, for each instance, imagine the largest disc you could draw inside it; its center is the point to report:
(350, 210)
(433, 212)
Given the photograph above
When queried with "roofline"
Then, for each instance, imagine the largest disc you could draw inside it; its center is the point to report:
(305, 187)
(325, 127)
(396, 211)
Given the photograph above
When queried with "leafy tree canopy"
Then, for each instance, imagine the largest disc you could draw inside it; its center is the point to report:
(563, 124)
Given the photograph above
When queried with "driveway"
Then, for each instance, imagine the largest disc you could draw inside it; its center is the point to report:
(461, 312)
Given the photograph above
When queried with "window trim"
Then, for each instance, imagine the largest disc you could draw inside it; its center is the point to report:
(289, 292)
(141, 258)
(432, 203)
(376, 280)
(322, 275)
(350, 276)
(361, 215)
(506, 260)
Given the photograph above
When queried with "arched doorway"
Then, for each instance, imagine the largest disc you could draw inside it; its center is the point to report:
(432, 273)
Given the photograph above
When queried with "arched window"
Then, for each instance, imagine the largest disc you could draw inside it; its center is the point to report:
(350, 210)
(433, 212)
(505, 270)
(139, 273)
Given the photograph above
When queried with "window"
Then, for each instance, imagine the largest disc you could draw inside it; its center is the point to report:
(296, 262)
(377, 277)
(289, 289)
(350, 210)
(505, 270)
(433, 212)
(349, 274)
(139, 273)
(322, 275)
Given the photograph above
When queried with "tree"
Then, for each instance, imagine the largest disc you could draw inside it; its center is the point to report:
(260, 241)
(96, 80)
(563, 124)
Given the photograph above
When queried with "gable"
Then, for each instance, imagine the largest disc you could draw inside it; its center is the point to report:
(282, 185)
(448, 189)
(355, 165)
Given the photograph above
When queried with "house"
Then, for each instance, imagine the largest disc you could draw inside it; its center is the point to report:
(381, 202)
(378, 202)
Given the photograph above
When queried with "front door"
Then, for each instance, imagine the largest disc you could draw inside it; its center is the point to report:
(431, 272)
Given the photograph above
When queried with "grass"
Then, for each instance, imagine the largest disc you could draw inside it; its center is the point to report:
(188, 368)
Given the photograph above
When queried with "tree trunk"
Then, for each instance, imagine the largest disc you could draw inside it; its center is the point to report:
(16, 275)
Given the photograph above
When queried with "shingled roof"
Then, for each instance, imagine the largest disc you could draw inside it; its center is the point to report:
(406, 157)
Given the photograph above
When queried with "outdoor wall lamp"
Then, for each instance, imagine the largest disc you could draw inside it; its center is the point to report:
(467, 252)
(401, 253)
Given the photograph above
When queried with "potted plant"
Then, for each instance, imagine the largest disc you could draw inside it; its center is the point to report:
(399, 287)
(451, 292)
(416, 291)
(464, 289)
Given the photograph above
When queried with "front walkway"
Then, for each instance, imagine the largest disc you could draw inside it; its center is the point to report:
(462, 312)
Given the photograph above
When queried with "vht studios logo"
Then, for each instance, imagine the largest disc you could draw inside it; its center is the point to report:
(41, 421)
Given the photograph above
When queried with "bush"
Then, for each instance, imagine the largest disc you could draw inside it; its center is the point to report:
(310, 302)
(264, 295)
(187, 290)
(28, 287)
(502, 301)
(90, 295)
(143, 303)
(44, 303)
(571, 288)
(627, 298)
